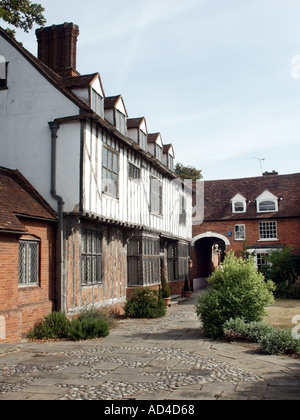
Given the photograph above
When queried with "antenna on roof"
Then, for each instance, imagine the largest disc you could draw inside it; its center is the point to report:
(260, 162)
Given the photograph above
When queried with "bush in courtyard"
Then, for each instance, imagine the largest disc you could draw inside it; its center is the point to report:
(236, 290)
(145, 303)
(279, 342)
(253, 331)
(54, 326)
(88, 325)
(88, 328)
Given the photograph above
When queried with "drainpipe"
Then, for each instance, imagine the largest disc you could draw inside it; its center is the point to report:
(60, 291)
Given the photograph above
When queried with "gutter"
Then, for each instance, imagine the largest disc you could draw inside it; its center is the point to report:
(60, 290)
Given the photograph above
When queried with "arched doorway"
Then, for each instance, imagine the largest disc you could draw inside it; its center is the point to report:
(209, 250)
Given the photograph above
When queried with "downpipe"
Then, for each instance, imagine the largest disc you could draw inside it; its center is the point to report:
(60, 289)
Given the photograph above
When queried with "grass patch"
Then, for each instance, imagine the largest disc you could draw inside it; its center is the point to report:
(281, 313)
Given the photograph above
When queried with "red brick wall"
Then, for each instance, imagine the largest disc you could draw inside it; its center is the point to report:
(288, 233)
(22, 307)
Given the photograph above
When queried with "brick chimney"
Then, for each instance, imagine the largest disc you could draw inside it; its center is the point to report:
(57, 48)
(273, 173)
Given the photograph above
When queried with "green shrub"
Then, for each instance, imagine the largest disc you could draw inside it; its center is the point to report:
(254, 331)
(279, 342)
(145, 303)
(88, 328)
(89, 324)
(54, 326)
(236, 290)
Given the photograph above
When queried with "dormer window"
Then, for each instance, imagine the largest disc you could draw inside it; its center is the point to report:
(158, 152)
(97, 102)
(239, 204)
(120, 122)
(3, 73)
(267, 202)
(143, 140)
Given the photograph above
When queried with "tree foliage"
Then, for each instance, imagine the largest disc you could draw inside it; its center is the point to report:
(188, 172)
(22, 14)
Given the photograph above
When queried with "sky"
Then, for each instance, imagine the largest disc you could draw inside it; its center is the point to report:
(219, 79)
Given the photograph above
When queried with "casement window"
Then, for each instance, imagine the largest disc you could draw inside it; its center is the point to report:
(134, 172)
(3, 73)
(121, 122)
(182, 210)
(239, 232)
(143, 140)
(110, 172)
(97, 103)
(158, 152)
(156, 196)
(29, 263)
(91, 257)
(143, 261)
(267, 231)
(171, 163)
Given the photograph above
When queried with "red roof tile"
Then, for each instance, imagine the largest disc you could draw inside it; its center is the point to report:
(218, 196)
(18, 198)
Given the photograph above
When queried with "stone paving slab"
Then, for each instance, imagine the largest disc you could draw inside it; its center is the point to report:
(165, 359)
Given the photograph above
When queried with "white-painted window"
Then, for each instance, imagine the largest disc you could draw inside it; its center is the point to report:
(267, 231)
(267, 202)
(239, 232)
(239, 204)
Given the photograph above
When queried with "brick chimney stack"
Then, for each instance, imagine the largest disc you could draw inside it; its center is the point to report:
(57, 48)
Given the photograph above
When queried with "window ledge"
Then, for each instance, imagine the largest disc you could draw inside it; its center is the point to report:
(268, 240)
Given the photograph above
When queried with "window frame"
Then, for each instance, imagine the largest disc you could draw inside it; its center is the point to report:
(106, 169)
(26, 270)
(263, 226)
(238, 232)
(267, 203)
(156, 196)
(91, 254)
(97, 102)
(5, 84)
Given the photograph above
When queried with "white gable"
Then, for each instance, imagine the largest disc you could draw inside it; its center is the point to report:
(96, 85)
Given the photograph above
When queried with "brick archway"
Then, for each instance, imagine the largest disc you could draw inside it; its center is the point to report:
(205, 258)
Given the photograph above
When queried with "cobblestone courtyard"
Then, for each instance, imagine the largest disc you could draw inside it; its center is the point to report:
(161, 359)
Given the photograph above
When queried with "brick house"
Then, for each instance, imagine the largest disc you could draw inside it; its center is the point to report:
(27, 256)
(258, 214)
(119, 202)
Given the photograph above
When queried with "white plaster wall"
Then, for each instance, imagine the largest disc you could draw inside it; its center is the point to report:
(26, 107)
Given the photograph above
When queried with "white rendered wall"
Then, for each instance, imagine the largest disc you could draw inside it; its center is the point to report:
(26, 107)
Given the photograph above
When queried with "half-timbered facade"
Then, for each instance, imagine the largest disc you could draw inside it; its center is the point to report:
(124, 217)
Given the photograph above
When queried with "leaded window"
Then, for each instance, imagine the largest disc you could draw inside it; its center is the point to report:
(91, 257)
(156, 196)
(110, 172)
(29, 263)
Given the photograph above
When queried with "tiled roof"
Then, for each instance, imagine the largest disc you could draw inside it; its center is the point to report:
(152, 138)
(18, 198)
(80, 81)
(134, 122)
(218, 196)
